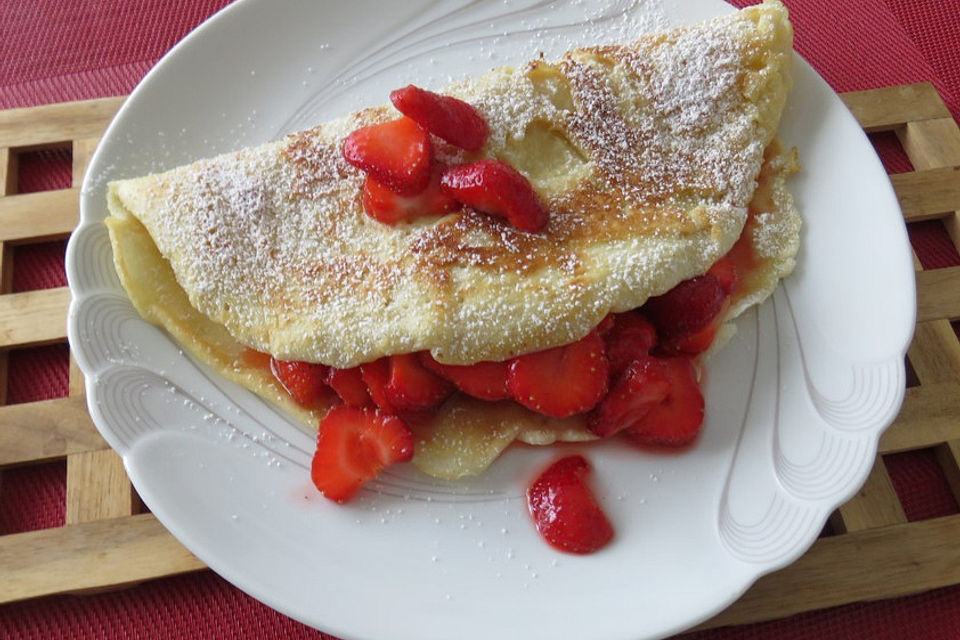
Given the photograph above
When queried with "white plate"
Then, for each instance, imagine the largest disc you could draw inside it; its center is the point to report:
(795, 403)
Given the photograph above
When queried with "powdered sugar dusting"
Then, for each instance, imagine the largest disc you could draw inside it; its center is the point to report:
(664, 151)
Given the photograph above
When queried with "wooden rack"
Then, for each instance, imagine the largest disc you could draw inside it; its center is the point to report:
(105, 543)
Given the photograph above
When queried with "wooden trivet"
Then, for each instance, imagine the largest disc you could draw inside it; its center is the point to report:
(874, 552)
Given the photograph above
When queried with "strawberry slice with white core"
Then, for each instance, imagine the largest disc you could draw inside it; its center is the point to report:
(496, 188)
(562, 381)
(389, 207)
(349, 385)
(412, 387)
(304, 381)
(564, 509)
(376, 375)
(353, 446)
(446, 117)
(397, 154)
(484, 380)
(676, 420)
(640, 388)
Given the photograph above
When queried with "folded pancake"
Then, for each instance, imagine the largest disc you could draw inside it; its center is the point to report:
(646, 155)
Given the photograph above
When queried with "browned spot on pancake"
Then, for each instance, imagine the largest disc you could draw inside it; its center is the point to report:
(586, 217)
(317, 165)
(351, 274)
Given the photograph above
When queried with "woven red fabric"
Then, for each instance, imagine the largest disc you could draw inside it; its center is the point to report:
(39, 266)
(921, 484)
(32, 498)
(44, 170)
(66, 37)
(62, 50)
(935, 28)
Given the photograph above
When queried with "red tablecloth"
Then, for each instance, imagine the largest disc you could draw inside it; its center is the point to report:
(58, 50)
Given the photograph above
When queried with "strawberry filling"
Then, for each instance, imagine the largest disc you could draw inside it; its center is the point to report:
(634, 375)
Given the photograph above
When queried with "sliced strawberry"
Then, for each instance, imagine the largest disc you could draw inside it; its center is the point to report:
(694, 343)
(562, 381)
(677, 419)
(390, 207)
(496, 188)
(725, 271)
(631, 337)
(411, 387)
(397, 154)
(444, 116)
(484, 380)
(642, 386)
(353, 446)
(564, 509)
(376, 375)
(687, 308)
(304, 381)
(349, 385)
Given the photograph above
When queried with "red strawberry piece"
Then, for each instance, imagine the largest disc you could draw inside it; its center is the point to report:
(642, 386)
(484, 380)
(606, 324)
(390, 207)
(444, 116)
(397, 154)
(496, 188)
(687, 308)
(411, 387)
(562, 381)
(353, 446)
(376, 375)
(677, 419)
(694, 343)
(725, 271)
(304, 381)
(564, 509)
(631, 337)
(349, 385)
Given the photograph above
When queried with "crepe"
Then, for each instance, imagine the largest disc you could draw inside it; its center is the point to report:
(646, 155)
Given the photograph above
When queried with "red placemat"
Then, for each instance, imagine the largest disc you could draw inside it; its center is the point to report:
(60, 50)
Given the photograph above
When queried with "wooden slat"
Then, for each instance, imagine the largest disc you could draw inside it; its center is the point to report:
(34, 318)
(930, 415)
(938, 294)
(948, 455)
(875, 505)
(935, 353)
(82, 152)
(866, 565)
(46, 215)
(892, 107)
(928, 194)
(33, 127)
(76, 380)
(97, 487)
(932, 144)
(6, 285)
(8, 171)
(46, 430)
(89, 555)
